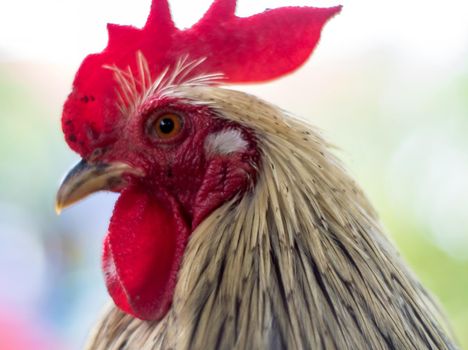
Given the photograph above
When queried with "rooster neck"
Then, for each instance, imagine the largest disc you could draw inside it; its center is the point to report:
(301, 262)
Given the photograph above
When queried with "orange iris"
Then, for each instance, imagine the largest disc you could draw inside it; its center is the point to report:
(167, 126)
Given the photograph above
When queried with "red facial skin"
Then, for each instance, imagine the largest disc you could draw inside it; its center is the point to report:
(156, 213)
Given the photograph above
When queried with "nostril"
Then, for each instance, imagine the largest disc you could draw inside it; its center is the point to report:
(96, 153)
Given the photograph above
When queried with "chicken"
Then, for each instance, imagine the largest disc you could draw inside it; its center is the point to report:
(236, 226)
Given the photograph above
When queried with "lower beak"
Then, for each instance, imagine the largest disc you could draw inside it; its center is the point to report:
(84, 179)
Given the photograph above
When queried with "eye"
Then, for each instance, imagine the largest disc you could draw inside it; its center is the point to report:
(165, 126)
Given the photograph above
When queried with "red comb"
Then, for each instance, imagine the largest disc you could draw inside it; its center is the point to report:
(253, 49)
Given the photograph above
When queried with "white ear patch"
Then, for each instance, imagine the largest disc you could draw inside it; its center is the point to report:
(225, 142)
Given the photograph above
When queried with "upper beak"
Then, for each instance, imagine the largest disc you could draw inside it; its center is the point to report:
(84, 179)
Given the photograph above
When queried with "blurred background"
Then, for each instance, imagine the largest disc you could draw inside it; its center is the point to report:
(388, 84)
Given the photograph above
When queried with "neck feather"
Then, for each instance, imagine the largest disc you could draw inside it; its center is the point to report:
(300, 262)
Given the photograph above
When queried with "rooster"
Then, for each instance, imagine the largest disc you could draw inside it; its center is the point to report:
(236, 226)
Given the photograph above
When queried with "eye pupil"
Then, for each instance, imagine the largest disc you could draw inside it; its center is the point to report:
(166, 125)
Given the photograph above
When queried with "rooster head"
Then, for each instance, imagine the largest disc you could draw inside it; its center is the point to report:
(174, 160)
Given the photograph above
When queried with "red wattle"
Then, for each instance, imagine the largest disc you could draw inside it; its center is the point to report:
(142, 253)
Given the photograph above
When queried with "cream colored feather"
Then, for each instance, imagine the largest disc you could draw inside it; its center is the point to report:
(299, 262)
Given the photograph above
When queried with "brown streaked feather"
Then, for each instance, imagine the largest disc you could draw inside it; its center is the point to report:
(300, 262)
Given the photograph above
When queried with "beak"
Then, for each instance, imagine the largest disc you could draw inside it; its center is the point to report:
(84, 179)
